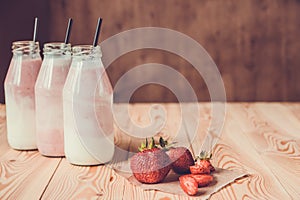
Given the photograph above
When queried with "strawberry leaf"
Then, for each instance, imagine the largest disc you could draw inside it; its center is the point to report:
(146, 145)
(152, 144)
(162, 142)
(204, 156)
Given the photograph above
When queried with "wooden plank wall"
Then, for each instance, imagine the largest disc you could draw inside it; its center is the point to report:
(254, 43)
(16, 23)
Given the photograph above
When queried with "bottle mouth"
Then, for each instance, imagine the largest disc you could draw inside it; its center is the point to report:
(25, 47)
(86, 50)
(57, 48)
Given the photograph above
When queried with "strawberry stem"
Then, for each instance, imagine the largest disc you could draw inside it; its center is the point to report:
(204, 156)
(147, 145)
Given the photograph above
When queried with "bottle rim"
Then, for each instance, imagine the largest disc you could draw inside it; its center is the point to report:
(26, 47)
(86, 50)
(57, 48)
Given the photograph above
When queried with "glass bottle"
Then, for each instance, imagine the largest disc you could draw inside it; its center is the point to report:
(48, 98)
(87, 102)
(19, 94)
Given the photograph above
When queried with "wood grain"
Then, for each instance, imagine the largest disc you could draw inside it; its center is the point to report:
(234, 151)
(294, 109)
(259, 138)
(246, 47)
(244, 157)
(25, 175)
(3, 137)
(75, 182)
(275, 137)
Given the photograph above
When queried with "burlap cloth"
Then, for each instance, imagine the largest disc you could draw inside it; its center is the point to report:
(222, 177)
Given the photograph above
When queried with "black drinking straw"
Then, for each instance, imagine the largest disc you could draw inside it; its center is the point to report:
(35, 28)
(67, 37)
(97, 32)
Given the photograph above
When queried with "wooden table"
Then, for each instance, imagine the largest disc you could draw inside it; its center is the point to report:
(262, 139)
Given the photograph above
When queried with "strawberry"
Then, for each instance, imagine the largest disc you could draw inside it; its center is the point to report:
(181, 157)
(199, 169)
(188, 184)
(202, 164)
(151, 164)
(202, 179)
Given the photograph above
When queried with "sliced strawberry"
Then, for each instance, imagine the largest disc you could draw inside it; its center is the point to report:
(202, 179)
(188, 184)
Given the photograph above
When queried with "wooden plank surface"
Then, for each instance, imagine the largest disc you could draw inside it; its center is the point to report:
(234, 151)
(276, 138)
(259, 138)
(25, 175)
(3, 137)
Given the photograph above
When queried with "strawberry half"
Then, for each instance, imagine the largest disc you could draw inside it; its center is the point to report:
(188, 184)
(151, 164)
(202, 179)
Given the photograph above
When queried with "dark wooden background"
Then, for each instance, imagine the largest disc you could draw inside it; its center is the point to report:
(254, 43)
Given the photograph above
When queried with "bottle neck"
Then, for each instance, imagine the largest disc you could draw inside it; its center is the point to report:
(26, 48)
(86, 52)
(57, 50)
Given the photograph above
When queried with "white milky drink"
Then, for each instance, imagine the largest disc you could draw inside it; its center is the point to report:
(87, 104)
(19, 95)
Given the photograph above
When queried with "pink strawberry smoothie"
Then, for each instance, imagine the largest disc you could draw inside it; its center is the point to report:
(20, 102)
(49, 105)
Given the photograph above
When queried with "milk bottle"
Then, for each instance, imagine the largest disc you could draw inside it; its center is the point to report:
(49, 101)
(19, 95)
(87, 103)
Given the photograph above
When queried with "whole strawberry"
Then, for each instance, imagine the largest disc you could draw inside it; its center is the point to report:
(202, 164)
(181, 157)
(151, 164)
